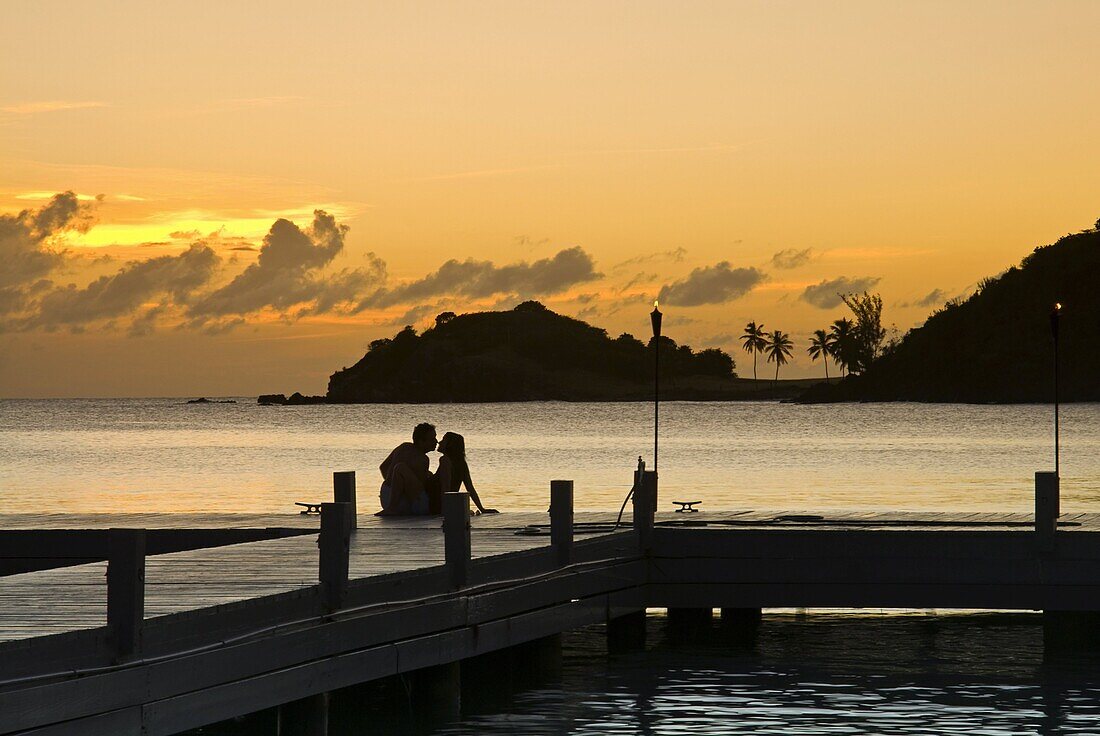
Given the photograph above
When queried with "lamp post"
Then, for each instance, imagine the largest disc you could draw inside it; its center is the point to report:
(1055, 314)
(655, 319)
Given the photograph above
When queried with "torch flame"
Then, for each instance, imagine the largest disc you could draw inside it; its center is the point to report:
(1057, 306)
(654, 303)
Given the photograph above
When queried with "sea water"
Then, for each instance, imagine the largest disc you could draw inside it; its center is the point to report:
(167, 455)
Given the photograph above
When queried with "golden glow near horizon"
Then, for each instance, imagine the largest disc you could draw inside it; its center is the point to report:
(744, 160)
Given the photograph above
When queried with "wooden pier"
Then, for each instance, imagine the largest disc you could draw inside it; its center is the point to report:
(304, 606)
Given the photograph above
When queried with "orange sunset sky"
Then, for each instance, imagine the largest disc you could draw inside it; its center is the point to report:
(750, 159)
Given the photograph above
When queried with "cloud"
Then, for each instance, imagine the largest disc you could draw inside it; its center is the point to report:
(791, 258)
(479, 279)
(676, 255)
(711, 285)
(24, 246)
(826, 294)
(290, 275)
(638, 279)
(32, 108)
(124, 292)
(286, 274)
(932, 298)
(719, 340)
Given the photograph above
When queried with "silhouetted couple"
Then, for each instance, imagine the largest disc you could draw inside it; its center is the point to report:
(408, 485)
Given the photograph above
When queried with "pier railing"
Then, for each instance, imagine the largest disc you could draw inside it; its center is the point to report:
(128, 637)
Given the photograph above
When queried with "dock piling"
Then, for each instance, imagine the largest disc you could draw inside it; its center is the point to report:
(125, 590)
(740, 626)
(437, 691)
(1046, 506)
(343, 491)
(626, 633)
(335, 545)
(690, 624)
(645, 500)
(561, 519)
(305, 717)
(456, 536)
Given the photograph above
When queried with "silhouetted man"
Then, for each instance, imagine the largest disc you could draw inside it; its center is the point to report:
(405, 474)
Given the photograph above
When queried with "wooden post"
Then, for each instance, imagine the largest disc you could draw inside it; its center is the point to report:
(436, 692)
(305, 717)
(343, 491)
(1046, 506)
(125, 590)
(334, 542)
(561, 519)
(645, 496)
(626, 633)
(690, 624)
(741, 626)
(456, 536)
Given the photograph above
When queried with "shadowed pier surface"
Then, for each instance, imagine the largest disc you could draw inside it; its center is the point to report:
(71, 598)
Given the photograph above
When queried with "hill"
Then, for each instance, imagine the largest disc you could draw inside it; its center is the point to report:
(531, 353)
(996, 346)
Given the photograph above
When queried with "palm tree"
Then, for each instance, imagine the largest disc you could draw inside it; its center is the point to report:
(778, 350)
(843, 334)
(821, 345)
(754, 341)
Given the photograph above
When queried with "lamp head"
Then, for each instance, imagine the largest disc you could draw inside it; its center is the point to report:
(1054, 315)
(655, 318)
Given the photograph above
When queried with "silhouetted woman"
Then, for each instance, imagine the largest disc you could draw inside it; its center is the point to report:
(453, 471)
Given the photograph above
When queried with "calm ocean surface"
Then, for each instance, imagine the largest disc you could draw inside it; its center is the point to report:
(166, 455)
(824, 673)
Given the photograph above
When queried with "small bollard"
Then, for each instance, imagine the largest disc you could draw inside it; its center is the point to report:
(335, 546)
(561, 519)
(456, 536)
(343, 491)
(1046, 505)
(125, 590)
(645, 499)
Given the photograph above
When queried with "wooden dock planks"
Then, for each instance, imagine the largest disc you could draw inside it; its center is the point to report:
(73, 598)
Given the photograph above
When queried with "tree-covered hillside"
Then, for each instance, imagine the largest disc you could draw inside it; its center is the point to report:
(528, 353)
(996, 346)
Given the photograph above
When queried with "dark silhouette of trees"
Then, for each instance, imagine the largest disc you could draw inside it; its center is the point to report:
(843, 349)
(443, 318)
(995, 344)
(753, 341)
(778, 349)
(821, 347)
(868, 333)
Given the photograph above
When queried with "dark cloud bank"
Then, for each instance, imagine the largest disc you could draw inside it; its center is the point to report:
(711, 285)
(292, 275)
(826, 294)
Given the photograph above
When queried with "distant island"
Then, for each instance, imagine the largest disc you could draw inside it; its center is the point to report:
(996, 346)
(531, 353)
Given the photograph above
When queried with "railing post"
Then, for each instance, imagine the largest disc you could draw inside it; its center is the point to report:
(1046, 506)
(125, 590)
(456, 536)
(645, 501)
(334, 543)
(343, 491)
(561, 519)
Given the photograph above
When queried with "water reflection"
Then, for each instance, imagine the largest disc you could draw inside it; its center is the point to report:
(818, 674)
